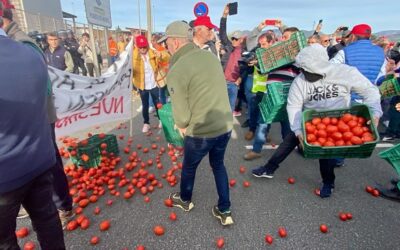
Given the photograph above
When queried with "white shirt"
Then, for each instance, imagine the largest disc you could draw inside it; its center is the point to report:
(340, 58)
(2, 32)
(149, 80)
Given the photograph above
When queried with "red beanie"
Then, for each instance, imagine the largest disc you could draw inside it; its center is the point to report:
(141, 42)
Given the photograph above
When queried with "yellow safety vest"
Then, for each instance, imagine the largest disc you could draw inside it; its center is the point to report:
(259, 82)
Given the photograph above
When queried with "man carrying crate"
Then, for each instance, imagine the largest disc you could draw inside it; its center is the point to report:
(322, 85)
(202, 113)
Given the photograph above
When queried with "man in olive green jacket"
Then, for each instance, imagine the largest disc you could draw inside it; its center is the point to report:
(202, 113)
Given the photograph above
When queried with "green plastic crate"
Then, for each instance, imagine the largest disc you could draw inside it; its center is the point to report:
(389, 88)
(273, 104)
(167, 120)
(280, 54)
(93, 150)
(356, 151)
(392, 155)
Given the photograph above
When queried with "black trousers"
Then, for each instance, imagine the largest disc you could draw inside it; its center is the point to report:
(36, 197)
(326, 166)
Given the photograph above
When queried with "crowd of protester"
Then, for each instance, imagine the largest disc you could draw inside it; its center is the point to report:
(204, 99)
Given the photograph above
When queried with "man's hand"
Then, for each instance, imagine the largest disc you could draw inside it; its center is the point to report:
(261, 26)
(226, 11)
(318, 28)
(278, 24)
(182, 131)
(398, 106)
(238, 81)
(301, 140)
(252, 62)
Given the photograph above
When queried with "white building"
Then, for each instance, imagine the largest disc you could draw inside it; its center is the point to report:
(38, 15)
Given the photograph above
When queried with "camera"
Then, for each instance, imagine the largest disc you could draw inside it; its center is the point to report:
(343, 28)
(248, 56)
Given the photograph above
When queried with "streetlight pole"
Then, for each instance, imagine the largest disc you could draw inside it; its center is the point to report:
(149, 20)
(140, 26)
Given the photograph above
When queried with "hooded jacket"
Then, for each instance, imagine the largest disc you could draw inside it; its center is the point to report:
(333, 91)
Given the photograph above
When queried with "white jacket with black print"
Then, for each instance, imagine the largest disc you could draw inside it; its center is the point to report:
(332, 91)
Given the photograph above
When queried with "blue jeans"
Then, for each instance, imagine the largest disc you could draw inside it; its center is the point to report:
(35, 196)
(144, 96)
(194, 151)
(262, 132)
(248, 85)
(232, 94)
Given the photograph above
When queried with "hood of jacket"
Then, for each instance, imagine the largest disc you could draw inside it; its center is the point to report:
(314, 59)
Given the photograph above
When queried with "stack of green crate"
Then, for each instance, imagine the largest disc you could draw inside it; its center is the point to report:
(167, 120)
(392, 155)
(93, 150)
(390, 88)
(280, 54)
(273, 104)
(355, 151)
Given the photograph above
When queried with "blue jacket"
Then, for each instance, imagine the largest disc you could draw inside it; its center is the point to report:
(57, 58)
(26, 148)
(366, 57)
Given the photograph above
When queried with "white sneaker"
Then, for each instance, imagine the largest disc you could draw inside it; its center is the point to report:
(151, 110)
(140, 109)
(160, 125)
(146, 128)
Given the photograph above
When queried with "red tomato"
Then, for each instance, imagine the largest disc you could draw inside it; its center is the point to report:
(357, 131)
(282, 232)
(172, 216)
(337, 136)
(316, 121)
(322, 134)
(347, 136)
(323, 228)
(29, 246)
(311, 138)
(310, 129)
(352, 124)
(269, 239)
(326, 120)
(367, 138)
(349, 216)
(369, 189)
(343, 127)
(340, 143)
(331, 129)
(220, 242)
(347, 117)
(361, 120)
(356, 140)
(329, 144)
(348, 143)
(22, 232)
(334, 121)
(104, 225)
(322, 141)
(94, 240)
(342, 216)
(316, 143)
(321, 126)
(158, 230)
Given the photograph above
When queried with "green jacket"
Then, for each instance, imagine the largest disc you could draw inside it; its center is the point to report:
(199, 96)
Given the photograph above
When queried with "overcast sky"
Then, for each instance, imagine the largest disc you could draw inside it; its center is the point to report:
(381, 15)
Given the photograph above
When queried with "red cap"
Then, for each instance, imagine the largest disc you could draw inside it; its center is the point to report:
(204, 20)
(141, 42)
(363, 30)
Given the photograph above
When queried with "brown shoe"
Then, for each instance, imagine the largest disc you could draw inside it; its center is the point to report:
(249, 135)
(251, 156)
(65, 217)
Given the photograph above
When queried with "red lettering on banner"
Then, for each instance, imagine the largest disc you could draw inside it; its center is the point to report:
(98, 107)
(115, 106)
(119, 104)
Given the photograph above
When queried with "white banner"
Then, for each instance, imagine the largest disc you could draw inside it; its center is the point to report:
(82, 101)
(98, 12)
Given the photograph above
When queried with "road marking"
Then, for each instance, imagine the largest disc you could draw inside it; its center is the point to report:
(379, 145)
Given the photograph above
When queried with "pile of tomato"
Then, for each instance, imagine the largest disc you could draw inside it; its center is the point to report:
(336, 132)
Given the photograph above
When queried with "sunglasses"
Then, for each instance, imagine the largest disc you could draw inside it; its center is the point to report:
(234, 39)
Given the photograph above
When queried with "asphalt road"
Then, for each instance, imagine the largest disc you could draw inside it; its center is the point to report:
(257, 210)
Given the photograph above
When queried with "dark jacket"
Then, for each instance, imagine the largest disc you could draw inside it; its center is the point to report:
(26, 147)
